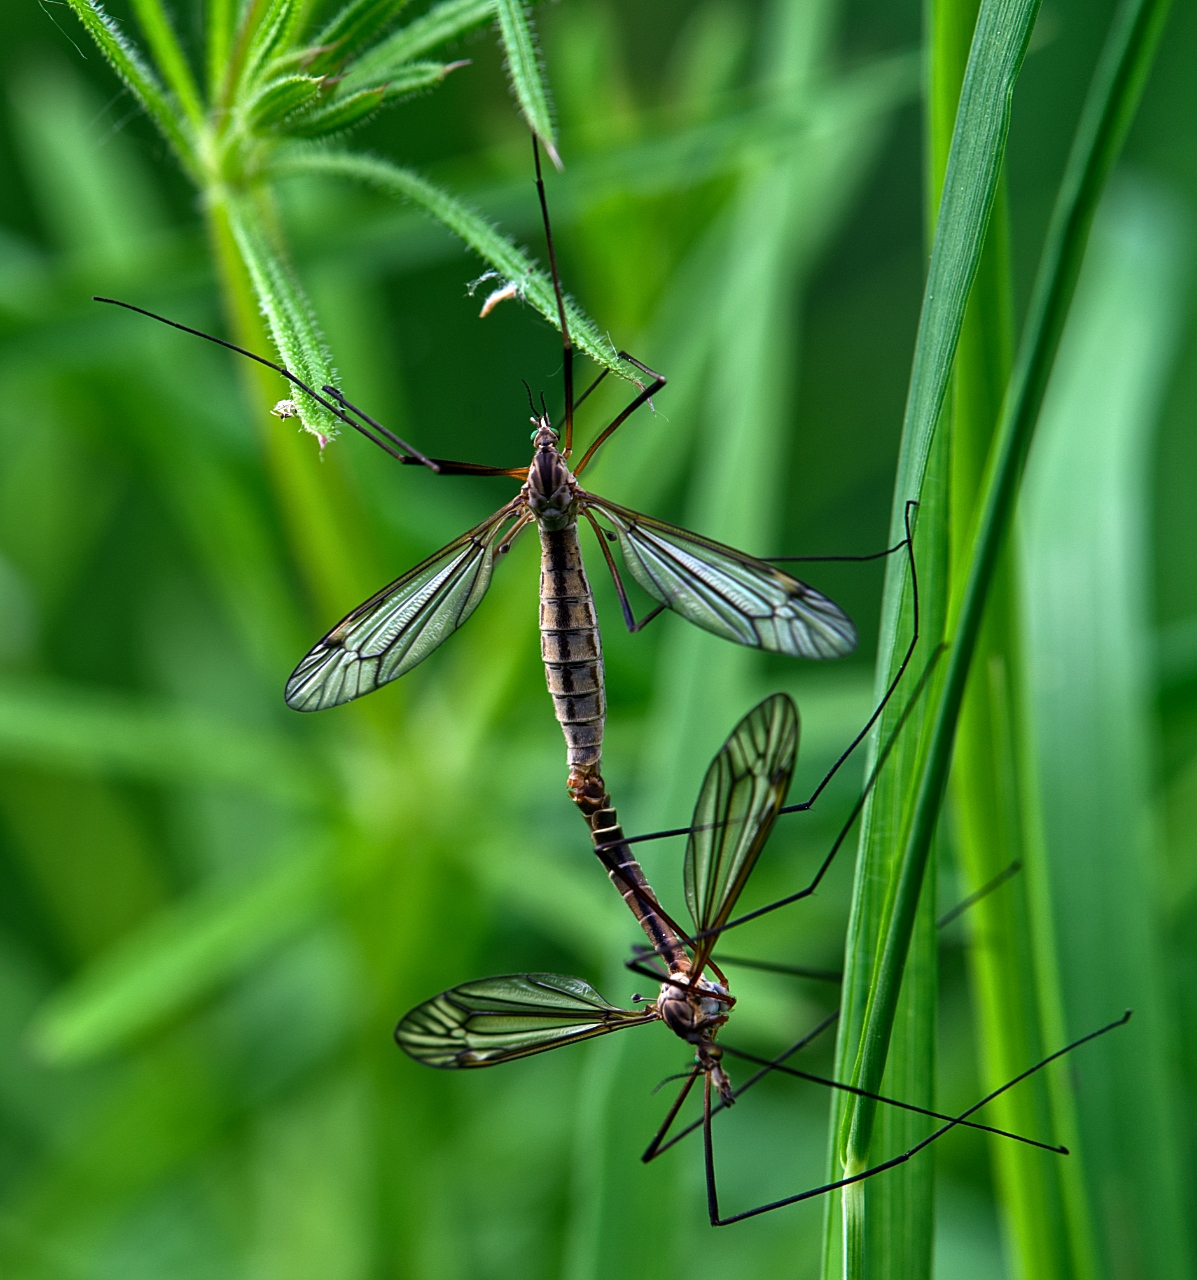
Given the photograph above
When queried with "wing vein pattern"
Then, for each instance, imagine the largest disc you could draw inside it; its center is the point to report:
(402, 624)
(743, 789)
(497, 1019)
(722, 590)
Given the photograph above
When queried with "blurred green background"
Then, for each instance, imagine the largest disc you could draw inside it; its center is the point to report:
(213, 910)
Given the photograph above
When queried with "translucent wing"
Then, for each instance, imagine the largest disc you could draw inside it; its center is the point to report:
(498, 1019)
(741, 793)
(725, 591)
(401, 625)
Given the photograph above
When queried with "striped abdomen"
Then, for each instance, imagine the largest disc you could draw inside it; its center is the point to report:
(572, 652)
(628, 877)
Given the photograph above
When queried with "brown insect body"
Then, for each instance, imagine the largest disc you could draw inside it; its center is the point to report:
(691, 1005)
(569, 636)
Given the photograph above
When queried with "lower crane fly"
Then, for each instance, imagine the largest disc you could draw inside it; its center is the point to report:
(495, 1020)
(716, 587)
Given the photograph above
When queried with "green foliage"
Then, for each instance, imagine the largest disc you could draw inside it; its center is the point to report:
(279, 83)
(213, 911)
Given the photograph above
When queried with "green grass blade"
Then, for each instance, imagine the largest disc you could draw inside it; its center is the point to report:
(490, 244)
(355, 25)
(180, 956)
(221, 16)
(1010, 978)
(170, 57)
(526, 73)
(65, 729)
(128, 63)
(291, 319)
(889, 1222)
(1087, 522)
(443, 22)
(1109, 108)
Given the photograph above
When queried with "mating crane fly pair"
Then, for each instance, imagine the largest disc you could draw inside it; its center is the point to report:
(716, 587)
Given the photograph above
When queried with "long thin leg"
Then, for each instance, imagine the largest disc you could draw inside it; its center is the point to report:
(593, 387)
(837, 844)
(1007, 873)
(654, 1147)
(629, 617)
(651, 1153)
(646, 394)
(445, 466)
(415, 454)
(567, 353)
(893, 684)
(708, 1155)
(873, 1170)
(891, 1102)
(790, 970)
(803, 805)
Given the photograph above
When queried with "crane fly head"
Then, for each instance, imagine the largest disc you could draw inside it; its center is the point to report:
(545, 437)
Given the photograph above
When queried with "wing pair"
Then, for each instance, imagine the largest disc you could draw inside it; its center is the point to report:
(715, 587)
(497, 1019)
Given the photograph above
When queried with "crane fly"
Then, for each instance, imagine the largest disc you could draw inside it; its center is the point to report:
(500, 1019)
(743, 599)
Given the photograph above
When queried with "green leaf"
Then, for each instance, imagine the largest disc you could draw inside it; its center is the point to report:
(179, 957)
(221, 17)
(264, 35)
(445, 21)
(282, 98)
(128, 63)
(357, 24)
(290, 318)
(525, 71)
(1112, 99)
(65, 728)
(338, 116)
(496, 249)
(1087, 514)
(170, 57)
(414, 77)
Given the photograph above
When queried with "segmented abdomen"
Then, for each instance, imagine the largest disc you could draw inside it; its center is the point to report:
(571, 648)
(628, 877)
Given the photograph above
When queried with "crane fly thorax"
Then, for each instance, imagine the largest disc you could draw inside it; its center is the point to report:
(550, 491)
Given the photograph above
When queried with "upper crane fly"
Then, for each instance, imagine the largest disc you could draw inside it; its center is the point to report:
(716, 587)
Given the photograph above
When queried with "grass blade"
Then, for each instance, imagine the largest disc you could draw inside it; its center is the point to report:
(170, 57)
(888, 1223)
(525, 72)
(490, 244)
(292, 322)
(128, 63)
(443, 22)
(177, 958)
(1087, 526)
(1109, 108)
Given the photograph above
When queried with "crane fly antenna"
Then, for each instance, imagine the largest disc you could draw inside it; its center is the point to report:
(567, 354)
(336, 411)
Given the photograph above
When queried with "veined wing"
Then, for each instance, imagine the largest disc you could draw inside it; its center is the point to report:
(741, 794)
(400, 625)
(498, 1019)
(725, 591)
